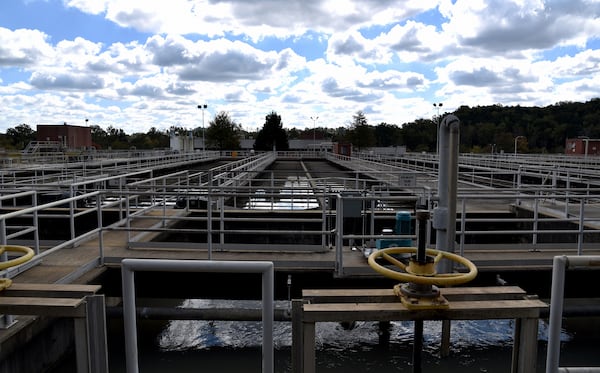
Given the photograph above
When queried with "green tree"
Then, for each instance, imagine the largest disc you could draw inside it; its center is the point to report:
(157, 139)
(117, 138)
(223, 133)
(272, 134)
(361, 134)
(21, 135)
(420, 135)
(99, 136)
(387, 135)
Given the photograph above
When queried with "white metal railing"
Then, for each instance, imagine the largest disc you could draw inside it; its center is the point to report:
(130, 266)
(140, 196)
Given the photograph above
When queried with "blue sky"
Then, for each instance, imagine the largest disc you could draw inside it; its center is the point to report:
(138, 64)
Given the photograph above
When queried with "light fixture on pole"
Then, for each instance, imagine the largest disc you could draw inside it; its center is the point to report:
(202, 107)
(438, 106)
(516, 141)
(314, 119)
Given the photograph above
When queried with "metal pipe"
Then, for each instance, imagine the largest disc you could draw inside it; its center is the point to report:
(559, 266)
(579, 370)
(422, 218)
(444, 216)
(417, 347)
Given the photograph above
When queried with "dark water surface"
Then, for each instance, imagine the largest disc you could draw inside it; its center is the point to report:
(207, 346)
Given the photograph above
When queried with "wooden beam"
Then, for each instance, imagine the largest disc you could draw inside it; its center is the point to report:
(468, 310)
(387, 295)
(49, 290)
(57, 307)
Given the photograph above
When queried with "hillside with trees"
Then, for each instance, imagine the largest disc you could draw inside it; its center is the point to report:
(490, 128)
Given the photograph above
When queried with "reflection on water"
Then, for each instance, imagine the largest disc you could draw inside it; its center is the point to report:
(224, 346)
(296, 194)
(476, 346)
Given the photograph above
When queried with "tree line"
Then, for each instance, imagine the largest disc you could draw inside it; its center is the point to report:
(491, 128)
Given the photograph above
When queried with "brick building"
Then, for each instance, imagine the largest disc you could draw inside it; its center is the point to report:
(582, 146)
(69, 137)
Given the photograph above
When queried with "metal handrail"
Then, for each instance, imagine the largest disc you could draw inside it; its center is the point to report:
(573, 205)
(559, 266)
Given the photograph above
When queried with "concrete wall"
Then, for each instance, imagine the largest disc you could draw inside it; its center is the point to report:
(37, 345)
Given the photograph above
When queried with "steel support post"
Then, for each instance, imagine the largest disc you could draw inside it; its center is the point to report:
(90, 337)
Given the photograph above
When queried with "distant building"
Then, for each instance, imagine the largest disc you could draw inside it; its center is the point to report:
(582, 146)
(69, 137)
(342, 149)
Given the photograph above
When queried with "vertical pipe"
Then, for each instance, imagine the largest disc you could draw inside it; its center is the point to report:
(268, 296)
(417, 346)
(444, 218)
(559, 265)
(452, 186)
(422, 217)
(297, 345)
(440, 214)
(129, 320)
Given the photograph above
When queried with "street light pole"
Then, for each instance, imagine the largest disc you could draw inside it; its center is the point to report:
(438, 106)
(314, 119)
(516, 141)
(202, 107)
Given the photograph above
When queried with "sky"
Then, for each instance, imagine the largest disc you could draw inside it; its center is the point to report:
(141, 64)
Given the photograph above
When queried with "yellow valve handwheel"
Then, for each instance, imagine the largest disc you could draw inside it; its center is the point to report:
(28, 253)
(424, 275)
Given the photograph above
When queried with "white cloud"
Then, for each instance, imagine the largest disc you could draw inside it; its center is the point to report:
(388, 58)
(516, 26)
(22, 47)
(255, 19)
(351, 47)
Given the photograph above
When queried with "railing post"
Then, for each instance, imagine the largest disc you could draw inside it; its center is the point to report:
(209, 224)
(100, 228)
(535, 219)
(519, 184)
(463, 225)
(324, 220)
(36, 225)
(581, 227)
(222, 220)
(339, 230)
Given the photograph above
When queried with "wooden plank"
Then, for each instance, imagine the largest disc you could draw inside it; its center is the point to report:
(468, 310)
(349, 295)
(49, 290)
(483, 293)
(387, 295)
(58, 307)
